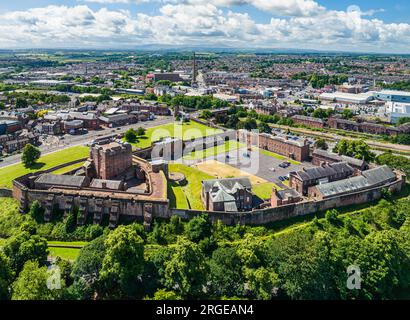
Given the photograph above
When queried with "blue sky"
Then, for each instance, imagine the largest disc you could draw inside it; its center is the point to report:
(394, 10)
(379, 25)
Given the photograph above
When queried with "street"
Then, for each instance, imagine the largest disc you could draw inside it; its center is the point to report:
(77, 140)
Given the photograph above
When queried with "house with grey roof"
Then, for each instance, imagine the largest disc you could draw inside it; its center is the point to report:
(229, 195)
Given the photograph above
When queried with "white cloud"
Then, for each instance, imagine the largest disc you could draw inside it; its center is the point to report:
(198, 22)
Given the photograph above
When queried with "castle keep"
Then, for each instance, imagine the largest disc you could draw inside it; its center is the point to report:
(112, 185)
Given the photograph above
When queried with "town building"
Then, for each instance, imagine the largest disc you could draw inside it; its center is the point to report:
(368, 179)
(302, 180)
(284, 197)
(309, 121)
(293, 148)
(319, 157)
(229, 195)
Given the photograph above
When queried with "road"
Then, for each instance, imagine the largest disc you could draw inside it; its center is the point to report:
(336, 137)
(78, 140)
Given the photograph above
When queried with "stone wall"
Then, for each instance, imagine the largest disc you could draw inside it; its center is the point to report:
(264, 216)
(6, 193)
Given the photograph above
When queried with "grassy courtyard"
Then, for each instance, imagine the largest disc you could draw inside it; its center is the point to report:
(189, 195)
(64, 253)
(264, 190)
(214, 151)
(67, 169)
(275, 155)
(8, 174)
(185, 131)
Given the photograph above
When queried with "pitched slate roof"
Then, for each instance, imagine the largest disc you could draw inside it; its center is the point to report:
(368, 179)
(336, 157)
(62, 180)
(227, 184)
(321, 172)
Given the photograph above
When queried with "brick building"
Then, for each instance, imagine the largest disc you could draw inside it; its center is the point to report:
(366, 127)
(283, 145)
(284, 197)
(302, 180)
(308, 121)
(320, 156)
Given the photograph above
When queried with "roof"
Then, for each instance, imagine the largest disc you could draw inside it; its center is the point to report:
(62, 180)
(287, 193)
(227, 184)
(109, 184)
(369, 178)
(336, 157)
(306, 118)
(320, 172)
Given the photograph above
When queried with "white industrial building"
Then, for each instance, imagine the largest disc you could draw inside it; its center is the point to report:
(397, 110)
(342, 97)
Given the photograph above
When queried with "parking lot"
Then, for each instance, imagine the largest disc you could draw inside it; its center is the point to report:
(258, 164)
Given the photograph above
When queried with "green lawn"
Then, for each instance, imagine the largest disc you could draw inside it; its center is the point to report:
(192, 191)
(264, 190)
(8, 174)
(275, 155)
(67, 169)
(64, 253)
(177, 197)
(213, 151)
(185, 131)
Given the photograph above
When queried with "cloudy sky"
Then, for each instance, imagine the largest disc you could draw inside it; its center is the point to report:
(356, 25)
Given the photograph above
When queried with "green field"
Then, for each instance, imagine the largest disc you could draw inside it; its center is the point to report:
(275, 155)
(64, 253)
(8, 174)
(264, 190)
(213, 151)
(68, 168)
(185, 131)
(191, 193)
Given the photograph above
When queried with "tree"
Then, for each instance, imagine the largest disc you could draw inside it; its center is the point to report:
(140, 131)
(37, 212)
(21, 103)
(198, 228)
(262, 282)
(131, 135)
(206, 114)
(31, 283)
(186, 271)
(321, 144)
(347, 114)
(6, 275)
(354, 148)
(166, 295)
(87, 267)
(264, 127)
(402, 120)
(23, 247)
(250, 123)
(226, 278)
(30, 155)
(123, 262)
